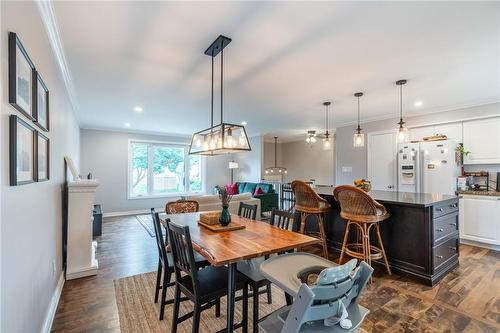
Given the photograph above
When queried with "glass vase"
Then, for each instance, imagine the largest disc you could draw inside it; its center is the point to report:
(225, 216)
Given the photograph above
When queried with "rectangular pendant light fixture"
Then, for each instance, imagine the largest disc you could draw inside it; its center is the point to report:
(223, 138)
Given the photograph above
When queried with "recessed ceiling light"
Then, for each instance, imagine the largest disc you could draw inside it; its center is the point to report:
(418, 104)
(244, 123)
(138, 109)
(127, 124)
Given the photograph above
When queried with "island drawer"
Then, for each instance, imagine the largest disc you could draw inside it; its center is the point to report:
(446, 208)
(444, 226)
(445, 251)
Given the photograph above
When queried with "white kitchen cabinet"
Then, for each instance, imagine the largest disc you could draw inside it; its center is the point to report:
(418, 133)
(482, 139)
(479, 220)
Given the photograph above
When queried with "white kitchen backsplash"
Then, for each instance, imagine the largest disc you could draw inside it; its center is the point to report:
(492, 169)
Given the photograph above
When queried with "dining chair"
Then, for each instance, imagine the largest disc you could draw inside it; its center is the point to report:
(248, 211)
(182, 206)
(205, 286)
(309, 203)
(165, 265)
(250, 268)
(326, 294)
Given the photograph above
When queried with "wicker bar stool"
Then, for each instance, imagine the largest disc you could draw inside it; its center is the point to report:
(364, 213)
(308, 202)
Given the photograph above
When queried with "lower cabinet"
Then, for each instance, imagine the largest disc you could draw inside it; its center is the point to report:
(480, 219)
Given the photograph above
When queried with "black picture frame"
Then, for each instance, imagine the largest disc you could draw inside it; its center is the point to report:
(39, 138)
(38, 83)
(14, 122)
(14, 45)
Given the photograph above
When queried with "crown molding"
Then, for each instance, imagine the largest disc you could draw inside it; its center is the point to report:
(48, 17)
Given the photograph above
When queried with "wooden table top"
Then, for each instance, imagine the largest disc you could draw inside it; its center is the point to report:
(256, 240)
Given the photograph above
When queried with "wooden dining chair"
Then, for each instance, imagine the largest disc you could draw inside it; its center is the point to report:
(165, 265)
(248, 211)
(205, 286)
(182, 207)
(309, 203)
(283, 220)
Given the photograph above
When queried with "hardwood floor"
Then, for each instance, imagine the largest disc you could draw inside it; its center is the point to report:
(467, 300)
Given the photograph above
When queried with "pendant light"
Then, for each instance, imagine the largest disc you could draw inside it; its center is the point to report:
(275, 170)
(359, 138)
(311, 137)
(223, 138)
(403, 131)
(326, 139)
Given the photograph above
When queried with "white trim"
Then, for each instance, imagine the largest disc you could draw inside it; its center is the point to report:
(462, 120)
(48, 17)
(479, 244)
(49, 318)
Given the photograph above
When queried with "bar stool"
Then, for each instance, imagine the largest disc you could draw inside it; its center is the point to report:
(308, 202)
(364, 213)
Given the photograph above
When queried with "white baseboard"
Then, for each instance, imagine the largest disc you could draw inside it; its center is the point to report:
(131, 212)
(480, 244)
(49, 318)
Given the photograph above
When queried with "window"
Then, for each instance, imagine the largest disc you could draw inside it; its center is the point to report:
(159, 169)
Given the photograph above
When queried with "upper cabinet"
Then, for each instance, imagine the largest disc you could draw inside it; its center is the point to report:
(482, 139)
(452, 130)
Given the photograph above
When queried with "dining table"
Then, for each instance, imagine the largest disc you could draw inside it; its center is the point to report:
(220, 248)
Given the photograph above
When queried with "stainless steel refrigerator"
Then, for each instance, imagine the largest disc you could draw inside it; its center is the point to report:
(428, 167)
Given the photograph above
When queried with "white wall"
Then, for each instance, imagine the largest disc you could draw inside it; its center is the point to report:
(347, 155)
(31, 216)
(96, 148)
(250, 162)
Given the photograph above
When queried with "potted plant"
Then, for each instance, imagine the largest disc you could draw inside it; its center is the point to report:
(225, 198)
(460, 152)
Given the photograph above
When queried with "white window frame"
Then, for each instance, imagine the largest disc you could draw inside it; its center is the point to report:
(151, 195)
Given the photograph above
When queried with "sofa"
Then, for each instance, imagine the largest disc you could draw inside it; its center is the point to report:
(268, 198)
(212, 202)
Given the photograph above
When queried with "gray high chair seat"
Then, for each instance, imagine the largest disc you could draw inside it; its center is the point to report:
(321, 306)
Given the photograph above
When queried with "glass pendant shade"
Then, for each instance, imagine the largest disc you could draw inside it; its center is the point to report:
(403, 135)
(327, 144)
(359, 140)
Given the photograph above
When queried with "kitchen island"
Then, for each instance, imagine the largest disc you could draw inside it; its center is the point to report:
(420, 238)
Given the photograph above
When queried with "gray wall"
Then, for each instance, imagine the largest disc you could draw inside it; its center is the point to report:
(250, 163)
(31, 215)
(356, 158)
(303, 161)
(96, 148)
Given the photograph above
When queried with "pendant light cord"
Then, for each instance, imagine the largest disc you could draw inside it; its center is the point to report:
(212, 98)
(275, 151)
(358, 112)
(401, 104)
(327, 119)
(221, 82)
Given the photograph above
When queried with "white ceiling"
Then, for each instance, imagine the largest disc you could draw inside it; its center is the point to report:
(284, 61)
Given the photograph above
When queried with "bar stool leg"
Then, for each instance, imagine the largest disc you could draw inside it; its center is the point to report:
(377, 229)
(323, 235)
(346, 235)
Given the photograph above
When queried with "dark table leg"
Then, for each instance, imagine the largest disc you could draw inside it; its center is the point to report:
(231, 286)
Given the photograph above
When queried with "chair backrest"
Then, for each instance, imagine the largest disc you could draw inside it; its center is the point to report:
(355, 201)
(182, 253)
(287, 197)
(248, 211)
(282, 219)
(305, 196)
(182, 207)
(160, 242)
(322, 301)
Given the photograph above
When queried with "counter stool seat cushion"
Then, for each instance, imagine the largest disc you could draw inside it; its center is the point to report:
(283, 270)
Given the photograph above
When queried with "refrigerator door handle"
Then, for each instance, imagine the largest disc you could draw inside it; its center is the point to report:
(422, 169)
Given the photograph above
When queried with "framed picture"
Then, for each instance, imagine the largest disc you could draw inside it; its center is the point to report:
(22, 74)
(41, 103)
(43, 157)
(22, 152)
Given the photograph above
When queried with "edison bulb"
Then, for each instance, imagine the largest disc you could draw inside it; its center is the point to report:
(402, 134)
(326, 143)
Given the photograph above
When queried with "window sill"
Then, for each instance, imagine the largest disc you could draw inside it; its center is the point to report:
(164, 196)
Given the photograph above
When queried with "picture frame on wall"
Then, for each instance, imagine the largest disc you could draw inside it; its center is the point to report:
(22, 74)
(41, 103)
(22, 152)
(42, 157)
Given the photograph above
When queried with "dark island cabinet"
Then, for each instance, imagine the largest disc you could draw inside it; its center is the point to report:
(420, 238)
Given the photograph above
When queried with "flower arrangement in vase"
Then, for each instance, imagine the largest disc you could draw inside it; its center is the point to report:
(363, 184)
(225, 198)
